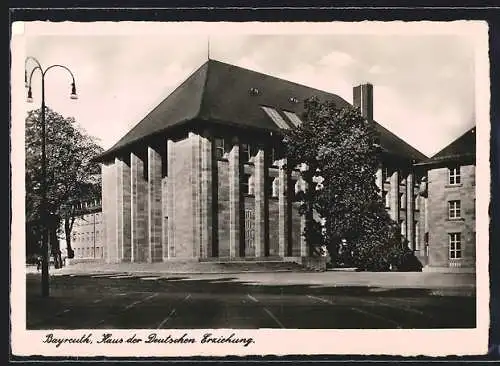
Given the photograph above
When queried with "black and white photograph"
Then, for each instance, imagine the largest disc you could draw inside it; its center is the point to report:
(209, 188)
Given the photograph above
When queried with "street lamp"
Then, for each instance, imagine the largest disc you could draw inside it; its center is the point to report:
(43, 204)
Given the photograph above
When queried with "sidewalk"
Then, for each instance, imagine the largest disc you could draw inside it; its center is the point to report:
(384, 280)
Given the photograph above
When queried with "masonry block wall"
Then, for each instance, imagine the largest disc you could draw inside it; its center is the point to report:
(176, 200)
(123, 210)
(274, 218)
(223, 209)
(260, 204)
(109, 209)
(206, 199)
(296, 230)
(440, 193)
(184, 180)
(154, 206)
(249, 226)
(138, 196)
(234, 181)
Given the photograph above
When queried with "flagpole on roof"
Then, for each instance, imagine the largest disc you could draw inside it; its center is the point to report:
(208, 48)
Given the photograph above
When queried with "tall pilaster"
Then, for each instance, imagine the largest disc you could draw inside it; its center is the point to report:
(234, 199)
(138, 202)
(109, 211)
(394, 197)
(206, 195)
(170, 199)
(410, 208)
(123, 210)
(154, 206)
(196, 192)
(260, 193)
(284, 207)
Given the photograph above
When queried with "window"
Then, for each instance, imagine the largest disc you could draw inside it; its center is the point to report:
(276, 117)
(246, 152)
(220, 147)
(454, 209)
(454, 175)
(385, 174)
(275, 187)
(269, 187)
(387, 199)
(402, 200)
(455, 245)
(402, 224)
(417, 202)
(247, 184)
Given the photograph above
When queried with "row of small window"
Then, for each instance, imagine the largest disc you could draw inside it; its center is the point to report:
(387, 173)
(247, 151)
(454, 177)
(89, 217)
(88, 252)
(402, 200)
(248, 186)
(85, 236)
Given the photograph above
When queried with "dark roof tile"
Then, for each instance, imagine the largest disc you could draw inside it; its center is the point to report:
(230, 94)
(463, 147)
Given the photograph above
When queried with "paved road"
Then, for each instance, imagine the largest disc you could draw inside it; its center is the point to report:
(142, 301)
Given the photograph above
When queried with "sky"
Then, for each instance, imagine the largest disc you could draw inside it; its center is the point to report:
(424, 84)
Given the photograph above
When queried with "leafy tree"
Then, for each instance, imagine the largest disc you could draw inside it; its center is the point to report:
(339, 147)
(71, 175)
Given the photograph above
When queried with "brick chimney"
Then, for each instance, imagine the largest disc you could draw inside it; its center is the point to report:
(363, 99)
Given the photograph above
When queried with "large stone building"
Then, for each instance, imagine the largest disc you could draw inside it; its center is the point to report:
(87, 234)
(448, 236)
(201, 176)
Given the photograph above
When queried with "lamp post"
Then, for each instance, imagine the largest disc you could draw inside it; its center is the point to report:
(44, 220)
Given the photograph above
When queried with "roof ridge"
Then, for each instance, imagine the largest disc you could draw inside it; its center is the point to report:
(204, 88)
(279, 78)
(470, 130)
(178, 87)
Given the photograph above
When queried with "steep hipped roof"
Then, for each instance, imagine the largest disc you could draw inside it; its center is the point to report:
(462, 148)
(234, 96)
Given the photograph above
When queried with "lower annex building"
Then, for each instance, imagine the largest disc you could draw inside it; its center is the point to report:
(201, 176)
(448, 196)
(87, 232)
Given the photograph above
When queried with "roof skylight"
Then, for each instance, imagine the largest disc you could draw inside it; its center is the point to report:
(276, 117)
(293, 118)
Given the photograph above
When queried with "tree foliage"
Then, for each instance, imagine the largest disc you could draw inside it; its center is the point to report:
(340, 149)
(71, 175)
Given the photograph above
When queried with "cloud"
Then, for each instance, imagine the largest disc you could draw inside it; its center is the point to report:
(421, 83)
(337, 60)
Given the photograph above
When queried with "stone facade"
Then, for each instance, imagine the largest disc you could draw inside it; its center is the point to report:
(446, 232)
(190, 204)
(87, 234)
(452, 219)
(202, 177)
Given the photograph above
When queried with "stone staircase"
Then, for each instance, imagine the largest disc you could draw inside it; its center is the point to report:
(208, 265)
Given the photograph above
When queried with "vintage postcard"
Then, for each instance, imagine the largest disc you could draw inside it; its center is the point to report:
(218, 189)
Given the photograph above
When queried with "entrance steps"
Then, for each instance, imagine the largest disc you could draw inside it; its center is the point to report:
(195, 266)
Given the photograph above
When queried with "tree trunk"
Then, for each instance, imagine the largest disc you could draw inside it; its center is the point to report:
(55, 248)
(67, 233)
